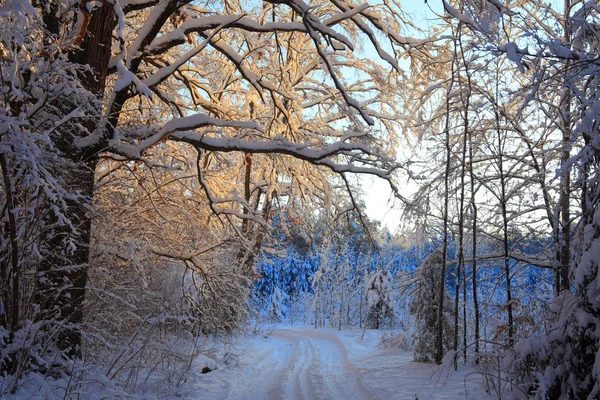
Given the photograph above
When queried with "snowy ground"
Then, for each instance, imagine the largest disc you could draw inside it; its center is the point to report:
(304, 363)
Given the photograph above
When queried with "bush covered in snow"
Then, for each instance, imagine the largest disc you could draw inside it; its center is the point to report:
(400, 340)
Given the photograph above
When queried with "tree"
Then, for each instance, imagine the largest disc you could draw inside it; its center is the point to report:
(561, 73)
(276, 307)
(378, 300)
(566, 363)
(86, 81)
(424, 307)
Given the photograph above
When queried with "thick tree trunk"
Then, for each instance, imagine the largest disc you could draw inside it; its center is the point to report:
(63, 272)
(10, 302)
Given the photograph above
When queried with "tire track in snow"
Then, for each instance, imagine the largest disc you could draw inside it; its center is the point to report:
(343, 377)
(320, 368)
(298, 384)
(259, 380)
(326, 364)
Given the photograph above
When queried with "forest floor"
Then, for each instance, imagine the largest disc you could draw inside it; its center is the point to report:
(305, 363)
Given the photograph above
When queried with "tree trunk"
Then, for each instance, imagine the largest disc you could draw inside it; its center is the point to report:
(474, 252)
(62, 276)
(565, 182)
(503, 206)
(10, 307)
(441, 290)
(461, 220)
(360, 307)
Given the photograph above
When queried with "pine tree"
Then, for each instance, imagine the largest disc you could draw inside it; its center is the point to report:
(379, 300)
(424, 308)
(277, 308)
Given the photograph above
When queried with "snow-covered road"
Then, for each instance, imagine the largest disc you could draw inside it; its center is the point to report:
(328, 364)
(302, 365)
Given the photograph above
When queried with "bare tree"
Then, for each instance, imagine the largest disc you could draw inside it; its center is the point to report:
(119, 80)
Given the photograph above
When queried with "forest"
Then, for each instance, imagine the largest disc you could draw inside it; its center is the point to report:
(179, 174)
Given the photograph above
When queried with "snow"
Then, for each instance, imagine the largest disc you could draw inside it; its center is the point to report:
(513, 53)
(378, 288)
(466, 19)
(458, 15)
(44, 387)
(214, 21)
(126, 78)
(557, 48)
(142, 35)
(18, 7)
(167, 71)
(203, 362)
(306, 363)
(192, 122)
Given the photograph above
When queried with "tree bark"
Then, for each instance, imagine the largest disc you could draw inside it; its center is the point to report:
(63, 273)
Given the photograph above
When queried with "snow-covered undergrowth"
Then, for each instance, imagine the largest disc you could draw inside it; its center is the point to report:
(395, 340)
(150, 364)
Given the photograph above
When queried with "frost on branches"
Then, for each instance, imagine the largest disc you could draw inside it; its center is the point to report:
(251, 98)
(43, 192)
(565, 361)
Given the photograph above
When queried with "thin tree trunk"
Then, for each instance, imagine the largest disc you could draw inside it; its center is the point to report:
(565, 184)
(341, 306)
(503, 206)
(464, 314)
(466, 135)
(441, 290)
(360, 307)
(457, 304)
(244, 253)
(474, 245)
(347, 313)
(565, 198)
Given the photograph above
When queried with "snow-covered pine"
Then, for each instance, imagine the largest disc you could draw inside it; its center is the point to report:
(424, 308)
(379, 300)
(277, 307)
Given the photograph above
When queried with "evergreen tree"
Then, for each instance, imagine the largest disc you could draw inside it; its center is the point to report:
(277, 306)
(424, 307)
(379, 300)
